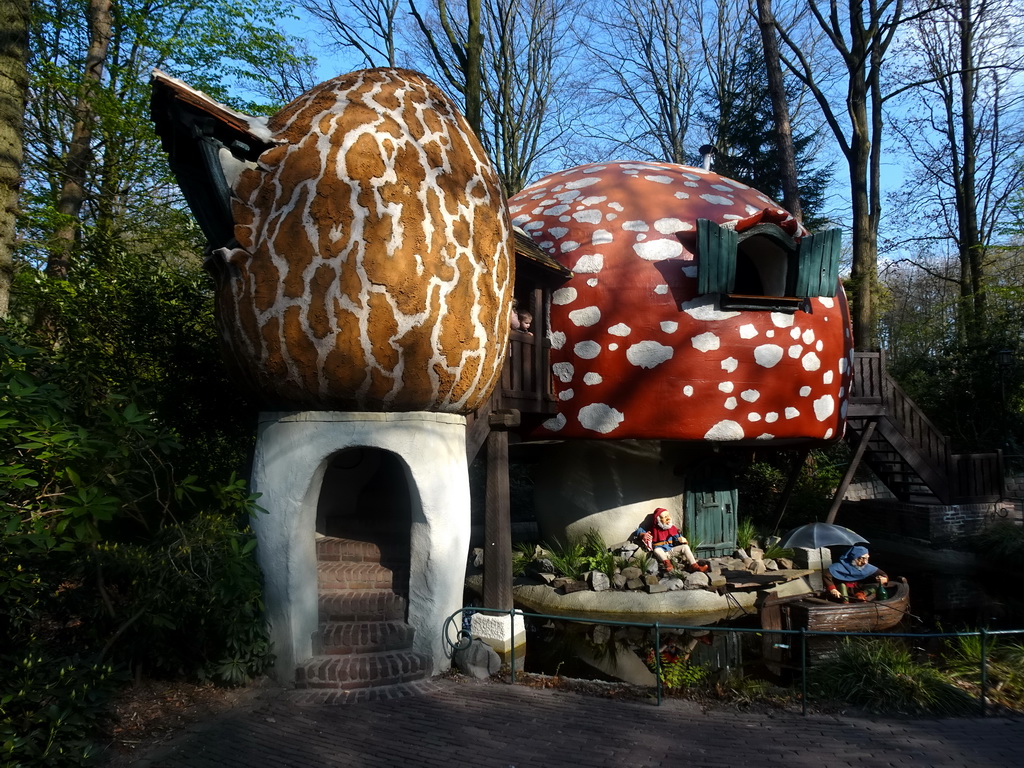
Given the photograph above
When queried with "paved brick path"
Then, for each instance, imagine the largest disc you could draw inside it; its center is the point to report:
(494, 725)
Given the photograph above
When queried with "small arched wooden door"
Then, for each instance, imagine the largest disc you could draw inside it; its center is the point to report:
(711, 500)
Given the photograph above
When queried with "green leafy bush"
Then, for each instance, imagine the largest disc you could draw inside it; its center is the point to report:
(882, 676)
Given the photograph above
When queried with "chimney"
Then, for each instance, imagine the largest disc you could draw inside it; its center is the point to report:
(707, 152)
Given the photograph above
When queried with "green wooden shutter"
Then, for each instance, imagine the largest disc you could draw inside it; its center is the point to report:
(716, 249)
(818, 270)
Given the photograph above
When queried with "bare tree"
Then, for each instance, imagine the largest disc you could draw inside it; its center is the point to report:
(963, 132)
(860, 35)
(646, 58)
(369, 27)
(14, 20)
(80, 151)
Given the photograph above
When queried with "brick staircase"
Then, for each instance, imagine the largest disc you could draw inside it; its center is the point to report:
(363, 640)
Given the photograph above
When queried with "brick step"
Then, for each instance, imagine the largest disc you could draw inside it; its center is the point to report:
(347, 575)
(336, 549)
(360, 605)
(335, 638)
(362, 670)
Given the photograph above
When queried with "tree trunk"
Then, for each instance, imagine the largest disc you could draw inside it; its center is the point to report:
(14, 21)
(780, 108)
(972, 252)
(80, 156)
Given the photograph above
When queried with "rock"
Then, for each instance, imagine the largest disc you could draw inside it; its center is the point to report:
(598, 581)
(757, 567)
(618, 581)
(634, 584)
(602, 634)
(626, 549)
(651, 578)
(740, 554)
(756, 553)
(560, 582)
(540, 565)
(673, 583)
(653, 566)
(547, 578)
(785, 563)
(771, 541)
(574, 586)
(656, 588)
(696, 580)
(632, 572)
(477, 660)
(478, 557)
(771, 565)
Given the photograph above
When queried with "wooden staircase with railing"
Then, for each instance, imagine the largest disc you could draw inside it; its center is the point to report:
(906, 451)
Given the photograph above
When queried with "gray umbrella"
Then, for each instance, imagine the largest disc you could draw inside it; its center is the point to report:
(818, 535)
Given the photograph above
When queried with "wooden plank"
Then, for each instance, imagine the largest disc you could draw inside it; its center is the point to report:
(497, 525)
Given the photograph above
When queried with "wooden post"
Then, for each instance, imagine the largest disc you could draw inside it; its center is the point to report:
(497, 520)
(857, 456)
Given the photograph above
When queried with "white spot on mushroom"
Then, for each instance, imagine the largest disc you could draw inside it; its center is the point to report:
(601, 236)
(554, 424)
(688, 390)
(715, 199)
(808, 336)
(682, 196)
(725, 430)
(828, 433)
(805, 391)
(730, 364)
(730, 403)
(585, 317)
(592, 216)
(599, 417)
(766, 436)
(659, 179)
(771, 417)
(556, 210)
(725, 386)
(592, 378)
(612, 347)
(581, 183)
(794, 333)
(748, 331)
(827, 301)
(533, 225)
(588, 350)
(722, 188)
(669, 326)
(563, 372)
(781, 319)
(819, 345)
(620, 329)
(705, 342)
(593, 200)
(703, 309)
(661, 289)
(569, 246)
(795, 351)
(616, 207)
(557, 339)
(753, 417)
(750, 395)
(592, 282)
(589, 263)
(811, 362)
(827, 377)
(566, 394)
(563, 296)
(842, 365)
(658, 250)
(770, 334)
(558, 232)
(792, 413)
(635, 226)
(669, 226)
(767, 355)
(648, 354)
(824, 407)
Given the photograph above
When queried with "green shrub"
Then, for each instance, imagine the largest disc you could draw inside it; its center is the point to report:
(746, 533)
(881, 676)
(51, 709)
(1002, 541)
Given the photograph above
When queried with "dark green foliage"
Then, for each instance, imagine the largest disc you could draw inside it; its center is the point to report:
(744, 139)
(763, 482)
(883, 677)
(1001, 542)
(109, 558)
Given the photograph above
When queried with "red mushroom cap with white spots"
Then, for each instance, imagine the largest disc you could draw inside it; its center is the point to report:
(639, 352)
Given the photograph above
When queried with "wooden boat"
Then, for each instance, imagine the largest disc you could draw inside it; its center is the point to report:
(820, 615)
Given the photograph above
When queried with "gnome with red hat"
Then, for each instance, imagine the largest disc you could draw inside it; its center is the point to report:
(658, 535)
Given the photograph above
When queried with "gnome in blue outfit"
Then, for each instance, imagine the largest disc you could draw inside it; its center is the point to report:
(853, 578)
